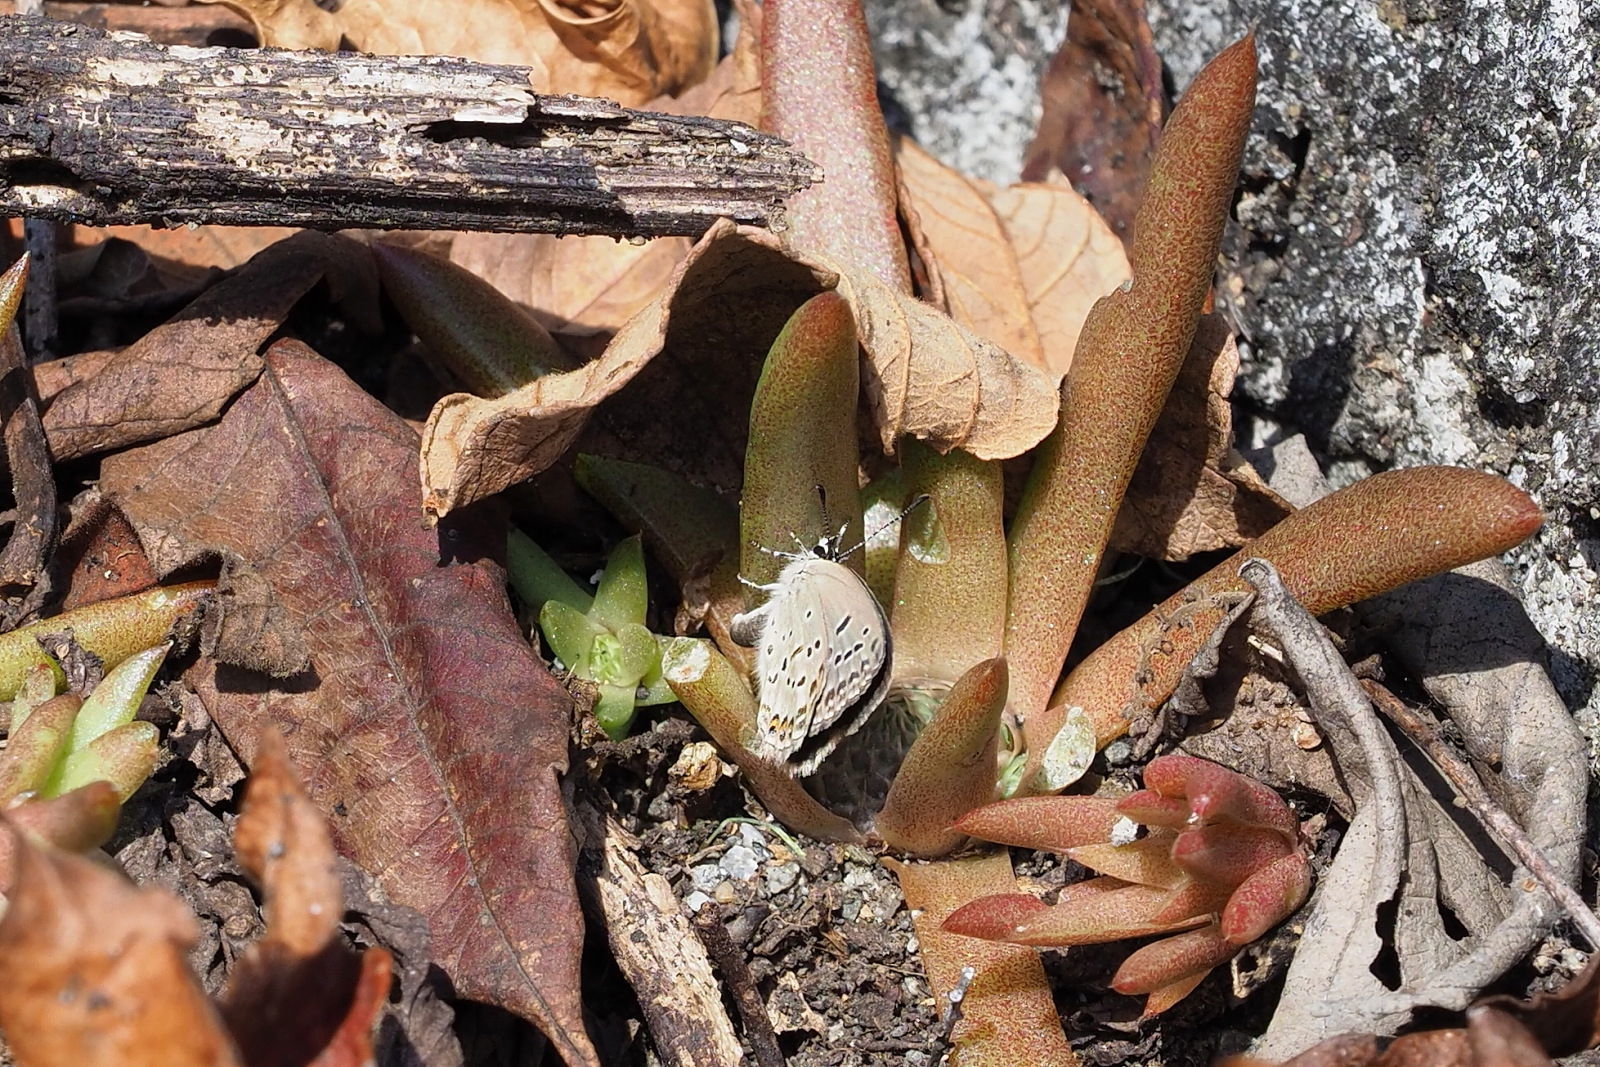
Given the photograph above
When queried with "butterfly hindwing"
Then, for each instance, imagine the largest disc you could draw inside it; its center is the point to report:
(824, 648)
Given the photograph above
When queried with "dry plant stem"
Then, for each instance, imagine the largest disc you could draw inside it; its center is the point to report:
(1131, 349)
(1363, 540)
(742, 984)
(820, 93)
(654, 944)
(40, 313)
(341, 139)
(33, 486)
(1492, 815)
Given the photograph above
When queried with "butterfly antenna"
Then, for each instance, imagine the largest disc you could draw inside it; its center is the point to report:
(916, 502)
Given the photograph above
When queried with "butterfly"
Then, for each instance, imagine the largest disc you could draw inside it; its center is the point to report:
(822, 662)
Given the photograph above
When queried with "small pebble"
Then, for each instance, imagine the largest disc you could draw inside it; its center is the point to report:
(695, 901)
(725, 893)
(741, 862)
(705, 877)
(780, 877)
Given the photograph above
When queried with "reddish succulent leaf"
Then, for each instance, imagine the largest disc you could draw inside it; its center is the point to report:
(995, 917)
(1227, 854)
(97, 970)
(1164, 962)
(74, 822)
(1192, 899)
(431, 733)
(1161, 999)
(1214, 792)
(1152, 809)
(820, 94)
(1055, 823)
(297, 996)
(1090, 919)
(1266, 898)
(1147, 861)
(1008, 1016)
(1101, 108)
(102, 556)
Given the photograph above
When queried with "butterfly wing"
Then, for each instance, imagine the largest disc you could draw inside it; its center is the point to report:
(824, 646)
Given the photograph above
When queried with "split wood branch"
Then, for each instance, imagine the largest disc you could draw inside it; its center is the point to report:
(105, 128)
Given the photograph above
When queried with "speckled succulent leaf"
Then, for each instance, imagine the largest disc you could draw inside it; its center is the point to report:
(1215, 793)
(123, 757)
(476, 332)
(1152, 809)
(116, 699)
(950, 768)
(994, 918)
(111, 629)
(1172, 959)
(1057, 823)
(1161, 999)
(39, 684)
(36, 747)
(76, 821)
(800, 467)
(570, 633)
(1113, 915)
(623, 596)
(537, 578)
(1129, 353)
(1266, 898)
(950, 588)
(1190, 898)
(1355, 543)
(717, 695)
(1226, 854)
(1147, 861)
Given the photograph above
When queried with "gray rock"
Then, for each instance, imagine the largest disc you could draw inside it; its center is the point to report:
(1414, 268)
(740, 862)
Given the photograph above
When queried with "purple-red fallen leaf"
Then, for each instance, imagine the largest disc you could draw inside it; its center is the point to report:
(1101, 102)
(97, 970)
(297, 996)
(182, 373)
(431, 735)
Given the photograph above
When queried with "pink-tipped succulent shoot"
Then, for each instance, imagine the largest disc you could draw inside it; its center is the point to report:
(1220, 864)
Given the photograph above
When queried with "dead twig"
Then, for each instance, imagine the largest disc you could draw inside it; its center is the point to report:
(334, 140)
(742, 984)
(1498, 821)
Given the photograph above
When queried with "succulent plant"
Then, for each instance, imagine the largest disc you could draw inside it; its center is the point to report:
(1221, 860)
(600, 637)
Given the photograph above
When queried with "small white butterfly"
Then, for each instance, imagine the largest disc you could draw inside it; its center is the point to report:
(822, 666)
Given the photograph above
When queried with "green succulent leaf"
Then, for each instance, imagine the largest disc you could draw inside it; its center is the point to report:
(116, 699)
(571, 635)
(623, 596)
(124, 757)
(537, 578)
(614, 709)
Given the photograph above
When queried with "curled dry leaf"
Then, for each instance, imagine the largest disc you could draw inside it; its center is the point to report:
(627, 50)
(297, 994)
(182, 373)
(1402, 836)
(431, 734)
(1101, 109)
(97, 970)
(582, 289)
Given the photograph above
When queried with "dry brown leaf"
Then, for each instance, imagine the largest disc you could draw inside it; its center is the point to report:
(729, 284)
(1068, 256)
(1101, 104)
(928, 376)
(182, 373)
(184, 254)
(626, 50)
(1190, 492)
(97, 970)
(583, 289)
(981, 276)
(297, 996)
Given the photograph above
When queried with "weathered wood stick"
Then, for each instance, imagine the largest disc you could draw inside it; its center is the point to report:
(105, 128)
